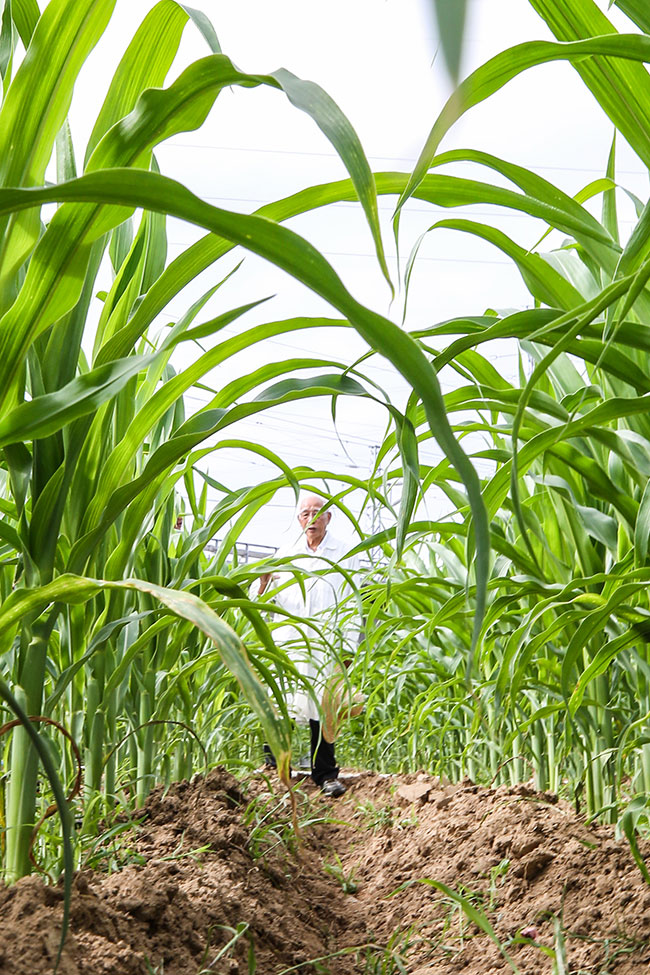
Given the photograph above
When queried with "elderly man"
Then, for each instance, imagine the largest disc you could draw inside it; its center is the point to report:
(321, 600)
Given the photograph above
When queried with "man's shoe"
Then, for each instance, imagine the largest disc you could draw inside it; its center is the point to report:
(332, 788)
(269, 758)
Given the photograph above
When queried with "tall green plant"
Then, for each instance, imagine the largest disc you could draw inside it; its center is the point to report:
(561, 681)
(93, 450)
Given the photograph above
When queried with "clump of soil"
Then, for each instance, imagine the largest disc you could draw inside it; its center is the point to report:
(211, 881)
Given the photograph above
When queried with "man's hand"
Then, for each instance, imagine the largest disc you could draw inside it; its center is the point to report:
(264, 582)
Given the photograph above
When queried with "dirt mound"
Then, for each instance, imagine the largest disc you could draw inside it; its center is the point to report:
(211, 881)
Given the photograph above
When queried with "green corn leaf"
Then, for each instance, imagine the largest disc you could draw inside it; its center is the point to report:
(502, 68)
(55, 273)
(141, 491)
(42, 416)
(450, 15)
(292, 254)
(163, 398)
(36, 106)
(637, 11)
(541, 279)
(642, 529)
(636, 809)
(145, 64)
(448, 191)
(6, 44)
(25, 15)
(599, 665)
(545, 200)
(66, 167)
(204, 25)
(311, 98)
(76, 589)
(621, 88)
(610, 217)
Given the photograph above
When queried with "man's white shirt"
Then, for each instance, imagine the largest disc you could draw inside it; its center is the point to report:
(322, 597)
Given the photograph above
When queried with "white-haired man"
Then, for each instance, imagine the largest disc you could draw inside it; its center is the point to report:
(317, 553)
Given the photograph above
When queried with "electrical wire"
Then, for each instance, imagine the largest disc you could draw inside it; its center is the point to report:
(411, 160)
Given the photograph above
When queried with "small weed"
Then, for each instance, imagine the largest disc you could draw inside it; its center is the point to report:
(615, 948)
(390, 960)
(468, 906)
(369, 958)
(557, 954)
(497, 876)
(112, 850)
(463, 907)
(346, 880)
(227, 950)
(271, 825)
(407, 822)
(180, 854)
(375, 817)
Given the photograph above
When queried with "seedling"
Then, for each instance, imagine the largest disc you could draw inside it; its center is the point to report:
(346, 880)
(271, 824)
(180, 854)
(497, 874)
(407, 822)
(375, 817)
(376, 959)
(227, 950)
(113, 849)
(390, 960)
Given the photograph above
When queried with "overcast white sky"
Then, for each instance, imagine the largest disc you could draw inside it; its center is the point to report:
(377, 59)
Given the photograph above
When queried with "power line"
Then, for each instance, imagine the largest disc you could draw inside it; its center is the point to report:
(279, 152)
(435, 260)
(349, 204)
(409, 159)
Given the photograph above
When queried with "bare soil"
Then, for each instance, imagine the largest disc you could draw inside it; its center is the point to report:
(211, 881)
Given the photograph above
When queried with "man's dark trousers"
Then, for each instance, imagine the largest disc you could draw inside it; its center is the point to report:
(323, 762)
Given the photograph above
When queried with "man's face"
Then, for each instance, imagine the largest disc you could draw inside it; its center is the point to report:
(313, 523)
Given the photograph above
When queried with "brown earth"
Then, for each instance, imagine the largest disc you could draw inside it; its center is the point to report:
(210, 882)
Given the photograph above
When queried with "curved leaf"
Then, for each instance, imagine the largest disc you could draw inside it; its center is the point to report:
(293, 254)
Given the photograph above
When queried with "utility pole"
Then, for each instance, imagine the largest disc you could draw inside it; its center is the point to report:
(376, 512)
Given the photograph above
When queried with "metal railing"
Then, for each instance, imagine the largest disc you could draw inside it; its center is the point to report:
(253, 551)
(246, 551)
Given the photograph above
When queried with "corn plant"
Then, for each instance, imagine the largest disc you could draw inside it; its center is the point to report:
(108, 619)
(559, 685)
(507, 637)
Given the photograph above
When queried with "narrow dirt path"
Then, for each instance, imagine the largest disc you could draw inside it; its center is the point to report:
(211, 881)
